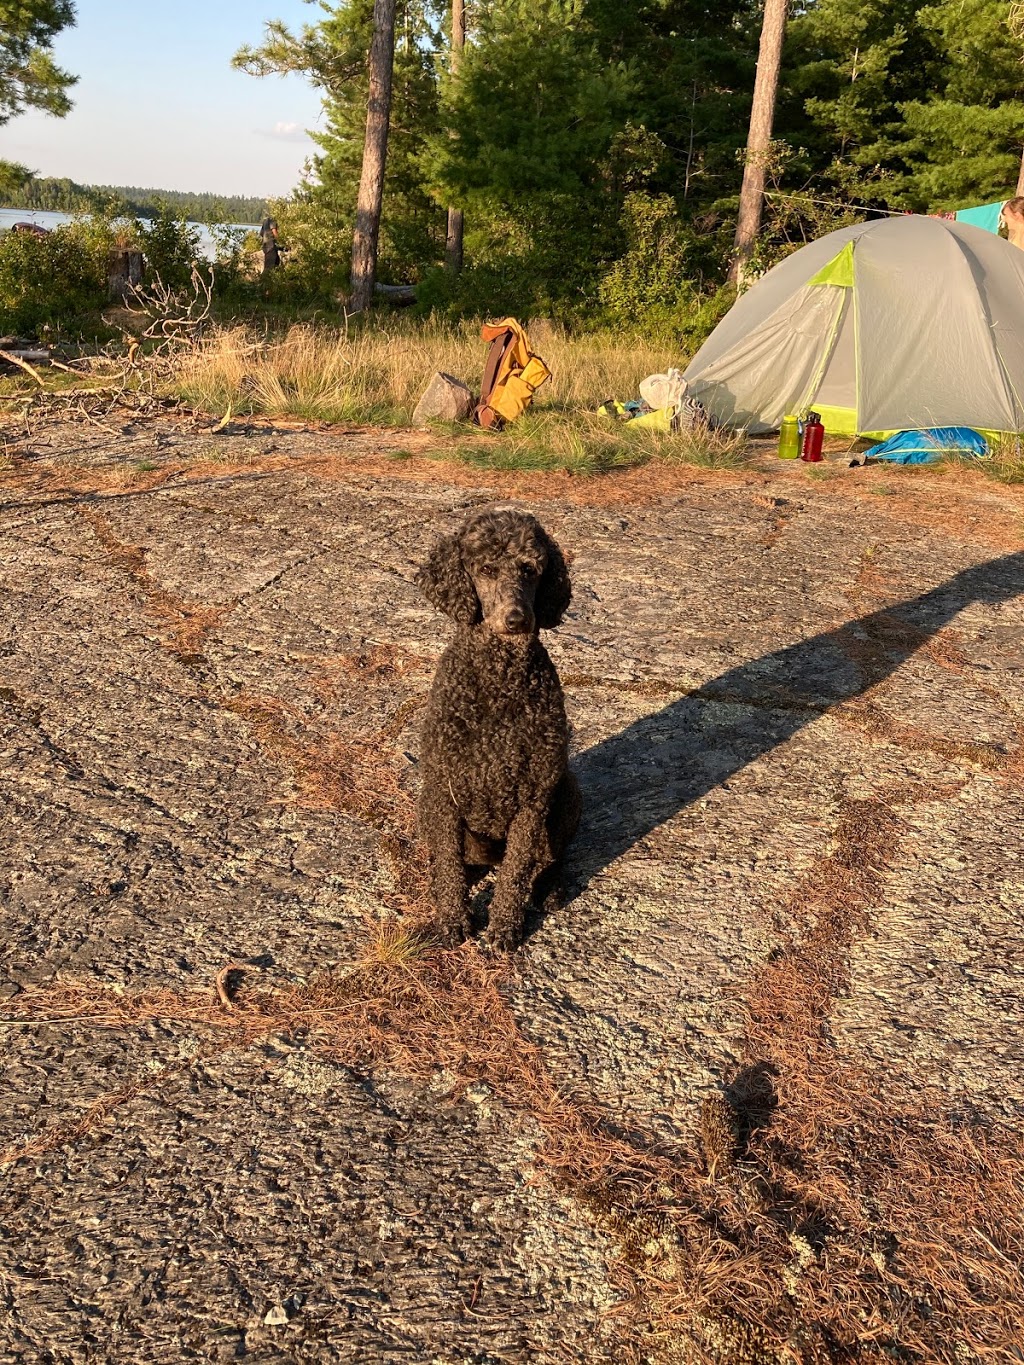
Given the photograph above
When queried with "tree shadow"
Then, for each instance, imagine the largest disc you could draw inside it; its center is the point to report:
(636, 780)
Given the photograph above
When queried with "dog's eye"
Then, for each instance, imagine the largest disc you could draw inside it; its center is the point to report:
(528, 570)
(488, 571)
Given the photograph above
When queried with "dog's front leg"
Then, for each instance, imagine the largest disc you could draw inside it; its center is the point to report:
(515, 880)
(448, 880)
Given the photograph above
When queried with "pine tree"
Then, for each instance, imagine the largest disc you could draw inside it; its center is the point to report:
(965, 139)
(454, 235)
(370, 198)
(922, 102)
(528, 121)
(762, 117)
(333, 55)
(29, 77)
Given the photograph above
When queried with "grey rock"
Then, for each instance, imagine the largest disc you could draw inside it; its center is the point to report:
(445, 399)
(169, 804)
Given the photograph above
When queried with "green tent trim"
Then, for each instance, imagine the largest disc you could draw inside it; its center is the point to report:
(839, 270)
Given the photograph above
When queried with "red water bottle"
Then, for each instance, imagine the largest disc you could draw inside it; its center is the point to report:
(814, 435)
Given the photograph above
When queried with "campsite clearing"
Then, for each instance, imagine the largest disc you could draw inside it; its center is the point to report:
(754, 1095)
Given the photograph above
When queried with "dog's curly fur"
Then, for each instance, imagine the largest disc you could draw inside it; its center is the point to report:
(497, 790)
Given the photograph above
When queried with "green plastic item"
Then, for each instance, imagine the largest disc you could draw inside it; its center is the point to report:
(658, 420)
(789, 439)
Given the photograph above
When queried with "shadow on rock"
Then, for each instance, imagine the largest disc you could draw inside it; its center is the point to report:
(638, 779)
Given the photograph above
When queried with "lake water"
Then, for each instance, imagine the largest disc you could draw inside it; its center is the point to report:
(50, 218)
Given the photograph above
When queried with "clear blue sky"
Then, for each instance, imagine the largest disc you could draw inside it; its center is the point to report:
(158, 105)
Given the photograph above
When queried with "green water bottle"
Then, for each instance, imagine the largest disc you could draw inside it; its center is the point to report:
(789, 439)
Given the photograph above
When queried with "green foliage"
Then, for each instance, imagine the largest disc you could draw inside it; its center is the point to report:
(413, 223)
(528, 125)
(29, 77)
(702, 316)
(534, 108)
(332, 54)
(59, 281)
(924, 103)
(13, 178)
(54, 282)
(235, 248)
(651, 274)
(170, 246)
(317, 246)
(558, 111)
(965, 139)
(209, 208)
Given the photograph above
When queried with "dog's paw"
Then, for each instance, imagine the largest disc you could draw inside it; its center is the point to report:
(450, 933)
(503, 938)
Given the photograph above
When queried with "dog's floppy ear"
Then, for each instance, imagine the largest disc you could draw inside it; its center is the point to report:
(554, 590)
(446, 584)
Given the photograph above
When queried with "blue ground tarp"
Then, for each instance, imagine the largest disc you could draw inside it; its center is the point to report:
(925, 447)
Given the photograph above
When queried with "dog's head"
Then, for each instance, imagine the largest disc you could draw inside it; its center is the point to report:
(500, 568)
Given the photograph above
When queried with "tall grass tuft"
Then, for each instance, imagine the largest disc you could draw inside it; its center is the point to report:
(1007, 460)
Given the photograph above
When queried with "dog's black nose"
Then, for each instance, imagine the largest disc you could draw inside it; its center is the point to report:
(515, 619)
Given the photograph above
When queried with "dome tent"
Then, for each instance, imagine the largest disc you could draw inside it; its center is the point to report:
(889, 325)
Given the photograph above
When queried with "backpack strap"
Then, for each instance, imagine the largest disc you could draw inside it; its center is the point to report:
(511, 374)
(502, 339)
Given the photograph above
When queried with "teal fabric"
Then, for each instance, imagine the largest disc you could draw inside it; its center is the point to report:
(925, 447)
(984, 216)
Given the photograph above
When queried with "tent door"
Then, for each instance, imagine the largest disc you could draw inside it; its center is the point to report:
(776, 367)
(835, 387)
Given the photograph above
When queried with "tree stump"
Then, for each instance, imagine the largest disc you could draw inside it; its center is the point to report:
(125, 270)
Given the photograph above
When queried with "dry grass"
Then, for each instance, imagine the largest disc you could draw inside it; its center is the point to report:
(377, 376)
(1005, 464)
(548, 438)
(373, 375)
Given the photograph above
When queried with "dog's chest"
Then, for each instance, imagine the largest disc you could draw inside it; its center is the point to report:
(505, 740)
(510, 718)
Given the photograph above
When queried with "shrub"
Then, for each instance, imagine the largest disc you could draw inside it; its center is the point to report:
(170, 246)
(53, 282)
(650, 277)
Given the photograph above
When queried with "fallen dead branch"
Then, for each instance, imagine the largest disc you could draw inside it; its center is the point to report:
(23, 365)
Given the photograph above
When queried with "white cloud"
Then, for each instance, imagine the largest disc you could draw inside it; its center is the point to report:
(285, 132)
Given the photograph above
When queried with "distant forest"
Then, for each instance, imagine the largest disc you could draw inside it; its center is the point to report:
(66, 196)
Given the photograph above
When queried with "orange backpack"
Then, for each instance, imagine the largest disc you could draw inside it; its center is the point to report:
(512, 374)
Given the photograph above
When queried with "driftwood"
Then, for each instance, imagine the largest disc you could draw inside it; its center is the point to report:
(397, 293)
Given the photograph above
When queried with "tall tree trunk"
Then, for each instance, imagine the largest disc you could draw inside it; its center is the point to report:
(375, 154)
(762, 115)
(453, 242)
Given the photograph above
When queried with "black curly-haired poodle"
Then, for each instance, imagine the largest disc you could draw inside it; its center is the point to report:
(497, 790)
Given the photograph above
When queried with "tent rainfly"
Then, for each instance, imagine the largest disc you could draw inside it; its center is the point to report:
(885, 326)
